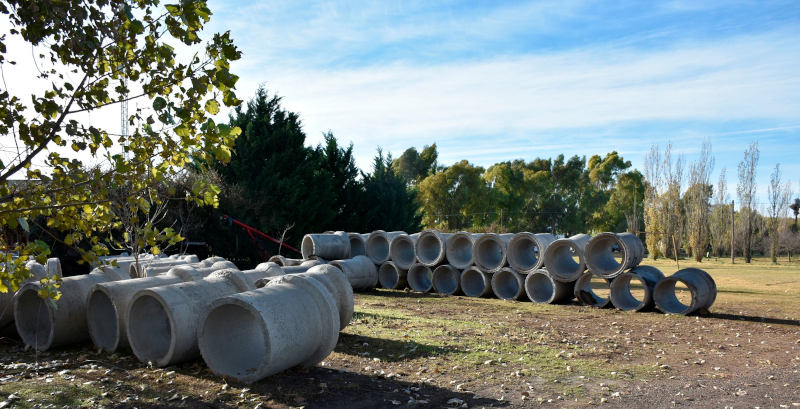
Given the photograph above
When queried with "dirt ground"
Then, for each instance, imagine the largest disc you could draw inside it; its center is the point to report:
(407, 349)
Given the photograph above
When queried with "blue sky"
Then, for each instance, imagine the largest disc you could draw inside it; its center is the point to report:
(493, 81)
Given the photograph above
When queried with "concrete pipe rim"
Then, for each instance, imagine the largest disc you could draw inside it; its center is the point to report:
(667, 300)
(471, 277)
(540, 287)
(458, 250)
(102, 319)
(599, 255)
(377, 247)
(307, 248)
(586, 295)
(489, 252)
(524, 252)
(39, 337)
(149, 348)
(357, 245)
(559, 262)
(446, 280)
(420, 278)
(389, 275)
(430, 248)
(402, 251)
(622, 297)
(507, 284)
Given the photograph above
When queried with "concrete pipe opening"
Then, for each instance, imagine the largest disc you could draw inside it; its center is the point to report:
(459, 250)
(563, 259)
(445, 280)
(687, 291)
(101, 317)
(593, 290)
(523, 252)
(378, 247)
(475, 283)
(390, 276)
(605, 255)
(149, 328)
(357, 245)
(34, 318)
(307, 246)
(540, 287)
(489, 252)
(629, 292)
(430, 248)
(420, 278)
(234, 339)
(401, 251)
(508, 284)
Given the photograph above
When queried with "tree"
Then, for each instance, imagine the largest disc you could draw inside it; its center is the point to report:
(453, 198)
(720, 219)
(93, 54)
(746, 190)
(778, 195)
(345, 194)
(413, 166)
(387, 203)
(697, 203)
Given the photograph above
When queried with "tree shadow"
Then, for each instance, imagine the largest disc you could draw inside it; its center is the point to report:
(386, 349)
(752, 318)
(400, 293)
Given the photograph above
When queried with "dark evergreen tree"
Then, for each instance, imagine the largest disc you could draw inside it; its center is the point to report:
(388, 204)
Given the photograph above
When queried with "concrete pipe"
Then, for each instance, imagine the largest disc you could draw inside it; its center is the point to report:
(331, 246)
(358, 244)
(249, 336)
(586, 294)
(431, 247)
(700, 284)
(526, 251)
(508, 284)
(401, 250)
(378, 245)
(446, 279)
(542, 288)
(459, 249)
(37, 272)
(163, 321)
(420, 278)
(153, 267)
(622, 295)
(600, 258)
(559, 261)
(284, 261)
(392, 277)
(191, 258)
(489, 251)
(476, 283)
(107, 303)
(43, 324)
(53, 267)
(359, 270)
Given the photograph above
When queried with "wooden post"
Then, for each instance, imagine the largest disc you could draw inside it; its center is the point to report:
(732, 232)
(675, 252)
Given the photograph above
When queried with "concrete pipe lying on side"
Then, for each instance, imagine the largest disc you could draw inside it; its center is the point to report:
(292, 321)
(53, 267)
(621, 295)
(558, 258)
(163, 321)
(332, 246)
(431, 247)
(446, 279)
(600, 253)
(359, 270)
(586, 295)
(489, 251)
(420, 278)
(401, 250)
(476, 283)
(153, 267)
(392, 277)
(107, 303)
(379, 243)
(43, 324)
(526, 251)
(37, 272)
(459, 249)
(700, 284)
(358, 244)
(542, 288)
(508, 284)
(284, 261)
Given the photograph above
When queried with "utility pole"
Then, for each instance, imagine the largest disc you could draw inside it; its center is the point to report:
(732, 232)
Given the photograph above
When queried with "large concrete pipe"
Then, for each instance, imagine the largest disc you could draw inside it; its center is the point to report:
(43, 324)
(542, 288)
(249, 336)
(558, 258)
(621, 293)
(358, 244)
(489, 251)
(37, 272)
(459, 249)
(285, 261)
(526, 250)
(700, 284)
(379, 243)
(431, 247)
(600, 249)
(163, 321)
(420, 278)
(331, 246)
(508, 284)
(476, 283)
(107, 303)
(359, 270)
(392, 277)
(446, 279)
(586, 294)
(401, 250)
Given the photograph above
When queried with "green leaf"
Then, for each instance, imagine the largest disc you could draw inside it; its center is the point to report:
(159, 103)
(212, 106)
(24, 224)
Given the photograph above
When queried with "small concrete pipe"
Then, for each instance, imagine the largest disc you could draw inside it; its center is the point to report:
(379, 244)
(163, 321)
(107, 303)
(284, 261)
(332, 246)
(586, 295)
(431, 247)
(53, 267)
(392, 277)
(621, 295)
(401, 250)
(558, 258)
(459, 249)
(37, 272)
(154, 267)
(359, 270)
(358, 244)
(508, 284)
(541, 288)
(476, 283)
(420, 278)
(702, 287)
(446, 279)
(526, 251)
(43, 324)
(489, 251)
(600, 253)
(252, 335)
